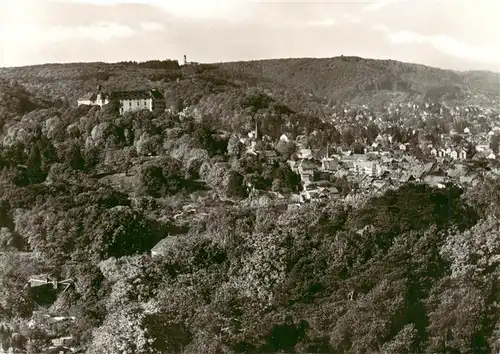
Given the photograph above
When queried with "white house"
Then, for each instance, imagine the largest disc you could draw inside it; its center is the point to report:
(286, 137)
(98, 98)
(482, 148)
(128, 101)
(329, 164)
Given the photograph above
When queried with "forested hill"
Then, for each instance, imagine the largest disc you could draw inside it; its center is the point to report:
(175, 232)
(353, 78)
(330, 80)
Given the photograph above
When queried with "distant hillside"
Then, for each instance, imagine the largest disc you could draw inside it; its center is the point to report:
(15, 100)
(354, 78)
(311, 82)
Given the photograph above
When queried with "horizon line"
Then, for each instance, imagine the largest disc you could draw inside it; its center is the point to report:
(250, 61)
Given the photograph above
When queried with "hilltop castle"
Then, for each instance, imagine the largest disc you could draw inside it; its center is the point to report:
(129, 101)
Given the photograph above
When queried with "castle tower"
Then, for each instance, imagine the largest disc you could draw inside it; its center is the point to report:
(185, 59)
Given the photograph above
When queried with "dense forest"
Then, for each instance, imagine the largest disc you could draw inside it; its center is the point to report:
(87, 194)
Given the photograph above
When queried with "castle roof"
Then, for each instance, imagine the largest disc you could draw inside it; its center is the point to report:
(135, 95)
(92, 96)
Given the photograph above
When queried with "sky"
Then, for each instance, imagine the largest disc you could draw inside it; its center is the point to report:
(453, 34)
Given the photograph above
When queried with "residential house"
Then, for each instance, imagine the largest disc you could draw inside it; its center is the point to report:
(295, 199)
(129, 101)
(482, 147)
(56, 342)
(333, 192)
(315, 194)
(384, 174)
(286, 137)
(341, 174)
(408, 177)
(301, 141)
(369, 168)
(305, 154)
(381, 185)
(271, 155)
(329, 164)
(365, 182)
(306, 170)
(416, 173)
(435, 180)
(349, 165)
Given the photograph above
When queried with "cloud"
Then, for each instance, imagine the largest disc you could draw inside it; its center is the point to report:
(102, 32)
(321, 23)
(152, 26)
(350, 18)
(186, 9)
(377, 5)
(32, 34)
(448, 45)
(37, 31)
(381, 28)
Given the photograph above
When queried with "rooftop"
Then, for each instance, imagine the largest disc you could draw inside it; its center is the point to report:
(139, 94)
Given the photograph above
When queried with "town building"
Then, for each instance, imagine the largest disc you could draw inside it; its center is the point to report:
(329, 164)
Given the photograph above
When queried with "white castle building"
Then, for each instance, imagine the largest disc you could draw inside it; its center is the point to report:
(128, 101)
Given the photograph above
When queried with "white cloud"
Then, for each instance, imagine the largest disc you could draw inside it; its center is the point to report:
(321, 23)
(445, 44)
(152, 26)
(380, 27)
(102, 32)
(198, 9)
(350, 18)
(449, 45)
(32, 34)
(377, 5)
(22, 32)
